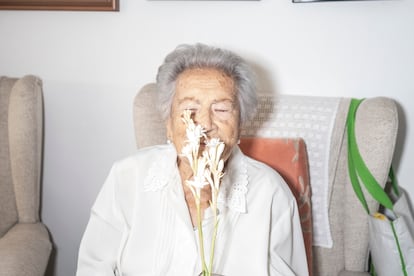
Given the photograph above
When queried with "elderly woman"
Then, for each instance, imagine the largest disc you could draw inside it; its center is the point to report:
(144, 221)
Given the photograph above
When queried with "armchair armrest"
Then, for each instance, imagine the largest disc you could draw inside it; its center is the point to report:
(25, 250)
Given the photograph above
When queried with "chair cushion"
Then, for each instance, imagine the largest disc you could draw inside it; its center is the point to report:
(289, 158)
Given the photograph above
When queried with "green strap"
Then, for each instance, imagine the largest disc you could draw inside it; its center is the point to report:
(358, 169)
(394, 182)
(351, 165)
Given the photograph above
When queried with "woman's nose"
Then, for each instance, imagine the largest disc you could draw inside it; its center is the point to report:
(204, 118)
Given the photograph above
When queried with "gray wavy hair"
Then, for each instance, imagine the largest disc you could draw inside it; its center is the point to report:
(203, 56)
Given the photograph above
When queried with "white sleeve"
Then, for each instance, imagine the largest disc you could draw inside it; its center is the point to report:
(100, 242)
(287, 248)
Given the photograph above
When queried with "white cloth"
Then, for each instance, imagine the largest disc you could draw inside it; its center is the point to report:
(140, 224)
(310, 118)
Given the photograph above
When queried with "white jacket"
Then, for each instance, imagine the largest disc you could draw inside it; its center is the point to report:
(140, 224)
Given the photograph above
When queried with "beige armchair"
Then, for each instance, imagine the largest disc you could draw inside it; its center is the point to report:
(25, 245)
(289, 115)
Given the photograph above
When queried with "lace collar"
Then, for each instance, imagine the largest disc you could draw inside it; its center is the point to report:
(234, 185)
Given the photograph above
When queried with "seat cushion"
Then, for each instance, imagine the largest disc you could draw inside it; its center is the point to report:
(289, 158)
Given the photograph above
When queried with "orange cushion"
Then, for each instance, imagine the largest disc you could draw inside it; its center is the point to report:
(289, 158)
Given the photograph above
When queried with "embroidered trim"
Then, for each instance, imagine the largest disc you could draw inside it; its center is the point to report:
(235, 181)
(155, 180)
(234, 186)
(159, 172)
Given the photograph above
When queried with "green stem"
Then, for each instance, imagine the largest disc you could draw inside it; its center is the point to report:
(213, 240)
(201, 240)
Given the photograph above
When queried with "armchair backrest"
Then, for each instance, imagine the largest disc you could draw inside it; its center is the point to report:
(376, 130)
(21, 136)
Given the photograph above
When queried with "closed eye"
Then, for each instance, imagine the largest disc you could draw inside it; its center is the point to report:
(193, 108)
(221, 110)
(222, 107)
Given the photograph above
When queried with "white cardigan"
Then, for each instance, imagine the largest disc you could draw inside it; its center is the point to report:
(140, 224)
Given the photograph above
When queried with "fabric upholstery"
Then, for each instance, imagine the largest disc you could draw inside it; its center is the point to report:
(8, 209)
(376, 130)
(353, 273)
(377, 144)
(24, 241)
(24, 250)
(289, 158)
(149, 127)
(25, 132)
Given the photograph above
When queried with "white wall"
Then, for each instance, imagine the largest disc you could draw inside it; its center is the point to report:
(93, 63)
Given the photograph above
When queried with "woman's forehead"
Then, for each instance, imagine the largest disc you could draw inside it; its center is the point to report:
(204, 78)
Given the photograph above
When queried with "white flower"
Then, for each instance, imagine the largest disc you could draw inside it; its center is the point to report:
(187, 152)
(199, 181)
(194, 134)
(214, 142)
(215, 150)
(220, 166)
(216, 164)
(207, 169)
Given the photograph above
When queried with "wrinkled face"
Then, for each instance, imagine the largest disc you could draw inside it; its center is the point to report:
(210, 95)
